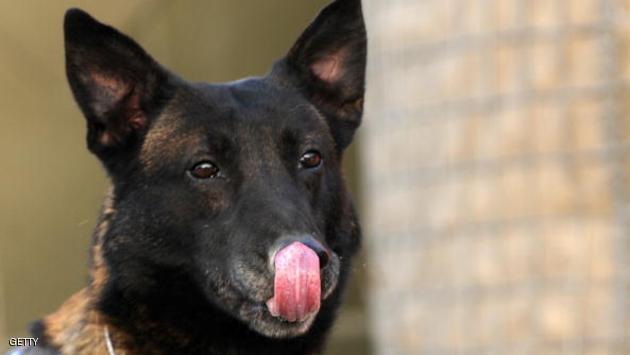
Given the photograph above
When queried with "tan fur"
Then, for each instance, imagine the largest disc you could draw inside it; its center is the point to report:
(98, 270)
(77, 327)
(161, 144)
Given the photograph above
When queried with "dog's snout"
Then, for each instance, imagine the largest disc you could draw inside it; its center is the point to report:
(323, 252)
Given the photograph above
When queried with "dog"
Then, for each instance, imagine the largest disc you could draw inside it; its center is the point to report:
(228, 228)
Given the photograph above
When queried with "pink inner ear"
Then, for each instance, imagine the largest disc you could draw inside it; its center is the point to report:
(114, 93)
(330, 68)
(136, 117)
(116, 89)
(106, 91)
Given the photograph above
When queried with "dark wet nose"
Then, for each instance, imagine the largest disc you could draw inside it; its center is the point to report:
(323, 253)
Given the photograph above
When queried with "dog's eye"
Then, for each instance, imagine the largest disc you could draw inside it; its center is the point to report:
(311, 159)
(204, 170)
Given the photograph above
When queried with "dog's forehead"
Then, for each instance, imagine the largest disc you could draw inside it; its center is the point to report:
(257, 98)
(249, 104)
(247, 113)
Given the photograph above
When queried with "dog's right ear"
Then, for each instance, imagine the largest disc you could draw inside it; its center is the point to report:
(117, 85)
(328, 64)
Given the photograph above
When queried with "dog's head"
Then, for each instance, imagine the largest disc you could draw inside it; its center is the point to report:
(232, 190)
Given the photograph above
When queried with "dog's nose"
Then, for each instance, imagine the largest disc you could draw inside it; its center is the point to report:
(323, 253)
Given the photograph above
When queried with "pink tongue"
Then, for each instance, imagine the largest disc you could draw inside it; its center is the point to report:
(297, 288)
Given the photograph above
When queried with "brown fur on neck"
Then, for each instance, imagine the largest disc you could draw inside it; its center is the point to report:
(78, 327)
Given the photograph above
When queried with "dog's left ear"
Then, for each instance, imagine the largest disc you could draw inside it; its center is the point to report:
(117, 85)
(328, 63)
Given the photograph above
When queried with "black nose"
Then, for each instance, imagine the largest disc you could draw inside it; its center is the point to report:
(323, 253)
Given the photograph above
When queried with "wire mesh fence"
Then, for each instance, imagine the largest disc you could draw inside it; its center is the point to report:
(497, 176)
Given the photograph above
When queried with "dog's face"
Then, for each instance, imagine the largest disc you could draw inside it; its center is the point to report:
(211, 181)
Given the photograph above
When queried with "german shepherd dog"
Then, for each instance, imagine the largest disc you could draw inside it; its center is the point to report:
(228, 228)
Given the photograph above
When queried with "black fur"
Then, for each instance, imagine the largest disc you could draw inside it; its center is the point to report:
(187, 259)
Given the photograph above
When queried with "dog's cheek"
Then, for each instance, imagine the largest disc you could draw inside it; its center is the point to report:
(215, 202)
(210, 254)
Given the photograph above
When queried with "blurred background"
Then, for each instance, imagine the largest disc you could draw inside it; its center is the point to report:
(492, 171)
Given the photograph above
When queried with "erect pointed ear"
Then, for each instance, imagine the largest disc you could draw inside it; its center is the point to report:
(117, 85)
(328, 64)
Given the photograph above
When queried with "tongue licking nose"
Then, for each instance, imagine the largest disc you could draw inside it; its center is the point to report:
(297, 286)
